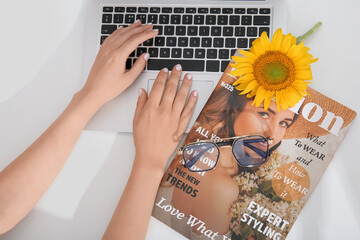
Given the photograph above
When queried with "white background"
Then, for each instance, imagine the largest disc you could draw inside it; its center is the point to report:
(41, 49)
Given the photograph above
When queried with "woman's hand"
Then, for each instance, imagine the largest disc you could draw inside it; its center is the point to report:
(160, 120)
(108, 76)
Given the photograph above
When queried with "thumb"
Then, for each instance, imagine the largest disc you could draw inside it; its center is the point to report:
(138, 66)
(140, 103)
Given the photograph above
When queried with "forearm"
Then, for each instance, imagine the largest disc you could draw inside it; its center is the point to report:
(132, 214)
(24, 181)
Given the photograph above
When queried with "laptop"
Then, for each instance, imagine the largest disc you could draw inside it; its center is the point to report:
(201, 36)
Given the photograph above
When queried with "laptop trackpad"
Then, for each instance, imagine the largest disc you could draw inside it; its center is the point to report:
(204, 89)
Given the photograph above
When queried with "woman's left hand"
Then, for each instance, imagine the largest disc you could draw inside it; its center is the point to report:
(108, 76)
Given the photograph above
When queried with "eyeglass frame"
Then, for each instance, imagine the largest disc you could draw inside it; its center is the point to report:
(181, 149)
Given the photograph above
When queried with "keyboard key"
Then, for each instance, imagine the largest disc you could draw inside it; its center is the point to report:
(187, 19)
(159, 41)
(179, 10)
(108, 29)
(252, 31)
(199, 19)
(199, 53)
(261, 20)
(180, 30)
(234, 20)
(210, 20)
(252, 11)
(246, 20)
(224, 54)
(204, 31)
(102, 39)
(141, 17)
(149, 42)
(176, 52)
(175, 19)
(215, 31)
(188, 53)
(215, 10)
(164, 19)
(133, 53)
(118, 18)
(212, 65)
(190, 10)
(192, 31)
(160, 29)
(195, 42)
(155, 10)
(230, 42)
(153, 52)
(211, 53)
(183, 42)
(251, 41)
(242, 43)
(140, 51)
(187, 65)
(143, 9)
(108, 9)
(228, 31)
(265, 10)
(205, 42)
(107, 18)
(227, 10)
(203, 10)
(264, 29)
(218, 42)
(222, 20)
(164, 53)
(232, 52)
(129, 18)
(169, 30)
(166, 10)
(131, 9)
(239, 31)
(224, 65)
(128, 63)
(240, 10)
(119, 9)
(153, 18)
(171, 41)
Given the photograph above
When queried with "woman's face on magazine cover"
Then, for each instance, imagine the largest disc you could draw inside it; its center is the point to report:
(256, 121)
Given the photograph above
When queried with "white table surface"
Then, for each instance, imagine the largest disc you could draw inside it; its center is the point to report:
(40, 67)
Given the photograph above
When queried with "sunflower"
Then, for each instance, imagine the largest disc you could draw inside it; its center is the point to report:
(278, 70)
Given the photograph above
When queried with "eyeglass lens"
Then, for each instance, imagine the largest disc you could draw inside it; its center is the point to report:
(200, 157)
(250, 151)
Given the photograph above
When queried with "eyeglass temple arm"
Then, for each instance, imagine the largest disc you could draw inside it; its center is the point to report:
(255, 149)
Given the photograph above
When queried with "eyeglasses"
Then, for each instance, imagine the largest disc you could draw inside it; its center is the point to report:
(249, 151)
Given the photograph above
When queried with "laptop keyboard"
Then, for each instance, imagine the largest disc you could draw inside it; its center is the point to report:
(200, 39)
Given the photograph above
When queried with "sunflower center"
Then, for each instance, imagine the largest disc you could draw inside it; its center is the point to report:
(274, 70)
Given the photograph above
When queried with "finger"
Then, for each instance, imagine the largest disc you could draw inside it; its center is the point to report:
(181, 96)
(124, 36)
(140, 103)
(121, 30)
(171, 87)
(158, 87)
(137, 68)
(133, 42)
(187, 112)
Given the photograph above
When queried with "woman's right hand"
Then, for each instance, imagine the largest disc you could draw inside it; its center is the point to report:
(161, 119)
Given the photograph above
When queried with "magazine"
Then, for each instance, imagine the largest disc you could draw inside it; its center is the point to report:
(246, 173)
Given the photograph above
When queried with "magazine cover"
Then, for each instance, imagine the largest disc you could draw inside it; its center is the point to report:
(246, 173)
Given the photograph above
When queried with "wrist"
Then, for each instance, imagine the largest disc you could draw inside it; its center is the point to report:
(147, 163)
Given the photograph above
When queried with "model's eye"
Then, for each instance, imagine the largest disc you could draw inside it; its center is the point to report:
(264, 115)
(284, 124)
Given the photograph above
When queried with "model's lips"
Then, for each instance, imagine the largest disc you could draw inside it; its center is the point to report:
(263, 146)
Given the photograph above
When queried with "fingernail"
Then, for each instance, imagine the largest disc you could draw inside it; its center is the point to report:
(195, 93)
(150, 23)
(155, 30)
(138, 20)
(146, 56)
(178, 67)
(189, 76)
(165, 69)
(140, 92)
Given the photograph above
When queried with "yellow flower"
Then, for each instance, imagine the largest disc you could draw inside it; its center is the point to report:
(278, 70)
